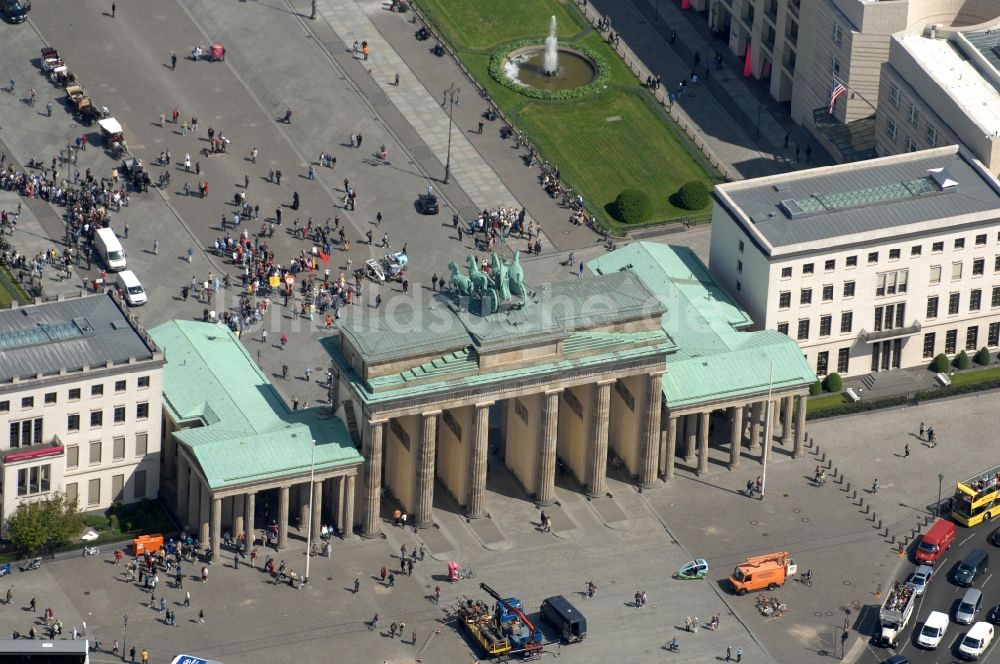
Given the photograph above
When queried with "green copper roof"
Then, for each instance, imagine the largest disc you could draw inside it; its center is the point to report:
(716, 357)
(242, 430)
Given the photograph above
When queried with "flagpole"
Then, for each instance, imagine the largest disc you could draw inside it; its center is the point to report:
(767, 429)
(853, 91)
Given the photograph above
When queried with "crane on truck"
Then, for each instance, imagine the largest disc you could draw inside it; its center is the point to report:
(759, 572)
(525, 639)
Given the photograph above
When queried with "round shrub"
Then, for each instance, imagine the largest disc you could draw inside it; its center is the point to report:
(816, 389)
(692, 195)
(983, 356)
(633, 206)
(834, 383)
(962, 360)
(940, 364)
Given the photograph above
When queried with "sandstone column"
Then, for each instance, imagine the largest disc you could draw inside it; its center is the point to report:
(786, 420)
(425, 469)
(347, 531)
(735, 436)
(672, 424)
(204, 516)
(800, 427)
(194, 502)
(216, 527)
(769, 407)
(182, 487)
(755, 415)
(283, 517)
(303, 505)
(475, 502)
(691, 433)
(372, 452)
(703, 425)
(249, 508)
(317, 508)
(546, 479)
(237, 526)
(597, 462)
(650, 441)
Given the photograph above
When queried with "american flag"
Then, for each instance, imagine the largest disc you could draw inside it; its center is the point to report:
(837, 90)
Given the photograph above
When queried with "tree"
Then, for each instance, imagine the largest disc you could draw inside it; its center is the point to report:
(633, 206)
(962, 361)
(50, 522)
(940, 364)
(834, 383)
(815, 389)
(983, 356)
(692, 195)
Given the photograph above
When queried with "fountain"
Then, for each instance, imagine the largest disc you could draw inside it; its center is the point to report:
(551, 61)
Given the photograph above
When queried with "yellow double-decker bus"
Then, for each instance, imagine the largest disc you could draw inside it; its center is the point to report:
(977, 498)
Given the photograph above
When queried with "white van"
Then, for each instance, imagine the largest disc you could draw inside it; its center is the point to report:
(110, 249)
(933, 630)
(129, 284)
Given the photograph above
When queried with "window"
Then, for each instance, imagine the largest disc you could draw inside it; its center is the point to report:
(96, 418)
(935, 274)
(50, 397)
(74, 394)
(846, 321)
(843, 359)
(73, 422)
(956, 270)
(830, 265)
(94, 491)
(890, 283)
(911, 145)
(786, 272)
(34, 480)
(937, 247)
(996, 263)
(894, 254)
(803, 329)
(848, 289)
(932, 306)
(140, 444)
(72, 491)
(95, 452)
(950, 341)
(739, 286)
(915, 250)
(142, 410)
(72, 456)
(144, 380)
(784, 299)
(117, 487)
(739, 266)
(852, 261)
(28, 402)
(741, 251)
(891, 129)
(119, 414)
(4, 406)
(838, 34)
(931, 136)
(822, 362)
(995, 300)
(24, 433)
(981, 240)
(825, 325)
(975, 299)
(835, 65)
(118, 448)
(139, 485)
(953, 300)
(960, 243)
(972, 338)
(929, 344)
(806, 296)
(872, 257)
(828, 293)
(119, 386)
(913, 115)
(993, 339)
(879, 315)
(978, 267)
(96, 390)
(807, 268)
(783, 328)
(894, 95)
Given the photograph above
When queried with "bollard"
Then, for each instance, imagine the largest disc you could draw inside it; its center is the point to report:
(879, 523)
(836, 471)
(892, 539)
(849, 488)
(829, 464)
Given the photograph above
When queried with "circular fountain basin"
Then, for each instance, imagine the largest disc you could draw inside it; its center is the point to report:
(525, 66)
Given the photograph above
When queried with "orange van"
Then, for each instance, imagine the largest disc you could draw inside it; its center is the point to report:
(937, 540)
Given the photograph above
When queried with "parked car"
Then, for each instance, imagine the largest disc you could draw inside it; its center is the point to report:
(16, 11)
(427, 204)
(919, 579)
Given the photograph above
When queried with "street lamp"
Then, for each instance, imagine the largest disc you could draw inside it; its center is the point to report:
(940, 479)
(124, 636)
(312, 508)
(450, 100)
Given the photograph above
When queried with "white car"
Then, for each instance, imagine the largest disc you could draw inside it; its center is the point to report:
(933, 630)
(919, 579)
(976, 641)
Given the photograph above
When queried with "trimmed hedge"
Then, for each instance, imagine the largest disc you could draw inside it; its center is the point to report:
(692, 195)
(633, 206)
(816, 389)
(940, 364)
(499, 57)
(983, 357)
(833, 383)
(962, 360)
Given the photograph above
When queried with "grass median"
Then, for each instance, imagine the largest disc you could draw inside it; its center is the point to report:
(615, 139)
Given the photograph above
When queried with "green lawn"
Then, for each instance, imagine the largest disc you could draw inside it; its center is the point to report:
(617, 139)
(10, 290)
(975, 377)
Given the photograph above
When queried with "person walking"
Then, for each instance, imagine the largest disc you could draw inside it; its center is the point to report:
(114, 9)
(906, 451)
(739, 654)
(201, 615)
(378, 219)
(921, 431)
(173, 61)
(875, 486)
(357, 585)
(930, 437)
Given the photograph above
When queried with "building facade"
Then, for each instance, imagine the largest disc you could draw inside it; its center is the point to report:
(80, 395)
(942, 87)
(869, 266)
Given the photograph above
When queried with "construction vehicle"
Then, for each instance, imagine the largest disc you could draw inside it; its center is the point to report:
(503, 632)
(895, 614)
(758, 572)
